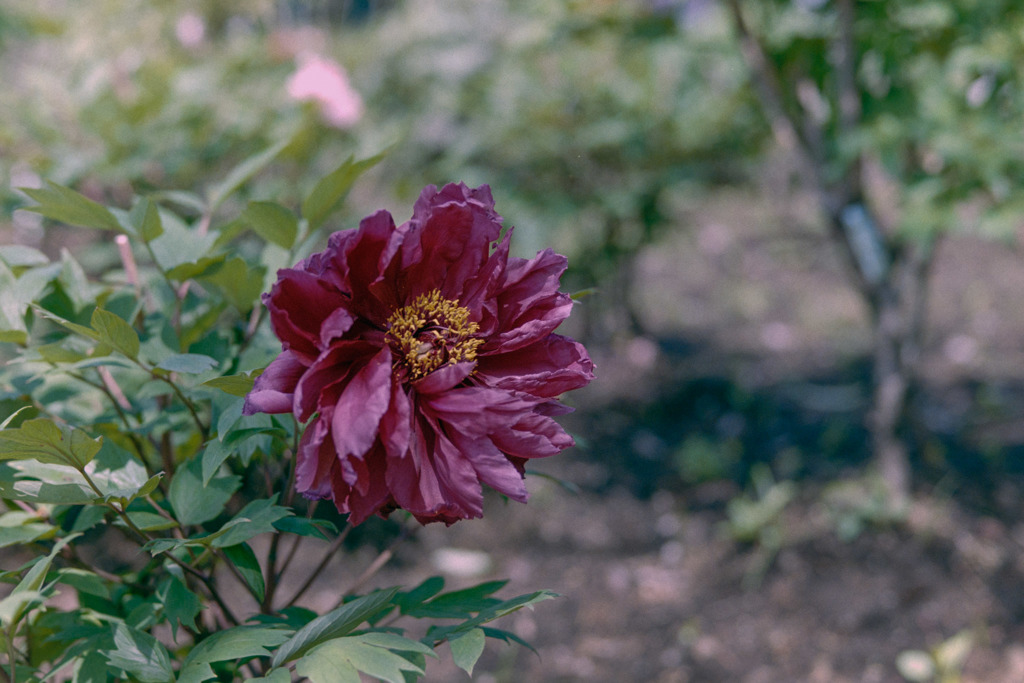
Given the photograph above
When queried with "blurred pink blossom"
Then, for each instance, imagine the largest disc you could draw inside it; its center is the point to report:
(325, 81)
(190, 30)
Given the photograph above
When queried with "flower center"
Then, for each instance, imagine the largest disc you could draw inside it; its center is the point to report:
(431, 332)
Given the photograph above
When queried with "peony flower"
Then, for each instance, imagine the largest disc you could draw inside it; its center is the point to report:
(425, 359)
(324, 81)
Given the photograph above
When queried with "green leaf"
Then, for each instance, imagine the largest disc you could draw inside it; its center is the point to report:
(145, 218)
(214, 455)
(236, 385)
(42, 440)
(19, 415)
(459, 604)
(274, 676)
(194, 503)
(336, 623)
(467, 648)
(300, 526)
(242, 173)
(180, 245)
(327, 666)
(115, 332)
(256, 518)
(244, 559)
(240, 283)
(181, 606)
(234, 643)
(140, 655)
(188, 363)
(322, 663)
(57, 352)
(67, 206)
(491, 613)
(40, 483)
(21, 256)
(14, 607)
(18, 603)
(83, 581)
(408, 600)
(197, 268)
(272, 222)
(147, 521)
(331, 189)
(24, 533)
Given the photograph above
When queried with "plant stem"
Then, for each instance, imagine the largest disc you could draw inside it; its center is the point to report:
(375, 566)
(333, 548)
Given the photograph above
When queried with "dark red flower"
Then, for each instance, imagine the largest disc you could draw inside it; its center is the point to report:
(426, 357)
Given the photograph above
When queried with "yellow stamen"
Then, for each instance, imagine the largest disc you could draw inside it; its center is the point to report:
(431, 332)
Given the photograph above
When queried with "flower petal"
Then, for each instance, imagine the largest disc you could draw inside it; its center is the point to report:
(444, 378)
(529, 304)
(547, 368)
(273, 390)
(449, 238)
(298, 304)
(361, 405)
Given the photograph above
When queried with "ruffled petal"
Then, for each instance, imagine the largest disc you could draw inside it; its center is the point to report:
(547, 368)
(315, 459)
(449, 239)
(298, 304)
(529, 304)
(327, 376)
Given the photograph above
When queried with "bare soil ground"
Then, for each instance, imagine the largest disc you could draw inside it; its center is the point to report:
(654, 587)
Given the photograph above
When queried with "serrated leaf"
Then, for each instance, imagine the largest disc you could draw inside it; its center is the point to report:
(194, 503)
(467, 648)
(111, 329)
(145, 218)
(236, 385)
(360, 653)
(67, 206)
(140, 655)
(188, 363)
(255, 518)
(244, 560)
(336, 623)
(272, 222)
(242, 173)
(331, 189)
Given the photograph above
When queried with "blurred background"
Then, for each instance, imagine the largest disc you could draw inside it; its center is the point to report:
(797, 225)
